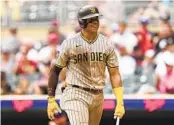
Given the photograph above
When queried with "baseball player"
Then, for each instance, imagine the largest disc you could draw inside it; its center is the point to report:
(86, 56)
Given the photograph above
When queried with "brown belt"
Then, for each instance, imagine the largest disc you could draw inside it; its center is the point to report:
(94, 91)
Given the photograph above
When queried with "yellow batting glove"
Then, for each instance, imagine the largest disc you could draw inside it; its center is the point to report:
(119, 110)
(52, 107)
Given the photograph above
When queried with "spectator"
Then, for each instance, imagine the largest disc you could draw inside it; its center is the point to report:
(144, 36)
(12, 43)
(26, 70)
(159, 59)
(24, 66)
(127, 67)
(127, 64)
(53, 39)
(7, 64)
(47, 53)
(166, 32)
(124, 37)
(165, 82)
(54, 30)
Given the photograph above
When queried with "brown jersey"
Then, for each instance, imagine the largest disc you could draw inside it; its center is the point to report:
(86, 62)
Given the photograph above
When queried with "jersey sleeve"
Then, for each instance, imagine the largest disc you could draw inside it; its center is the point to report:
(62, 58)
(112, 60)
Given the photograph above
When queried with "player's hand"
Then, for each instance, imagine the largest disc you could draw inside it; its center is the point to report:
(52, 107)
(119, 111)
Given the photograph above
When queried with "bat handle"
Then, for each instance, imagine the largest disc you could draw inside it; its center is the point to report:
(118, 121)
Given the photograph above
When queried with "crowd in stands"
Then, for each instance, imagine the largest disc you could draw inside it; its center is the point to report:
(152, 10)
(146, 59)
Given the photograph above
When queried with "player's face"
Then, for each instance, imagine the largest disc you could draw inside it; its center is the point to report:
(93, 24)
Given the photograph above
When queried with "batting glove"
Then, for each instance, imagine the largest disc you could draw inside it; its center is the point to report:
(52, 107)
(119, 110)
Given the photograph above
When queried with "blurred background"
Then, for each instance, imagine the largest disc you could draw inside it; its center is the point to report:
(143, 35)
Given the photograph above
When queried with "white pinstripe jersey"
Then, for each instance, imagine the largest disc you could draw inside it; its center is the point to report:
(86, 62)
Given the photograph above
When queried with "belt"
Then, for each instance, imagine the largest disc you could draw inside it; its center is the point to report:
(94, 91)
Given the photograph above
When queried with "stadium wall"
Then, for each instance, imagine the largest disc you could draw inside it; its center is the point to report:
(140, 110)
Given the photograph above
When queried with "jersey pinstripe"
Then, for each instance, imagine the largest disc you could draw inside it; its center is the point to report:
(86, 62)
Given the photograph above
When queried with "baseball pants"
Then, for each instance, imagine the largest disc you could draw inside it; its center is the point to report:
(82, 107)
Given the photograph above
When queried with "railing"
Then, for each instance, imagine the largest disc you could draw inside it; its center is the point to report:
(107, 96)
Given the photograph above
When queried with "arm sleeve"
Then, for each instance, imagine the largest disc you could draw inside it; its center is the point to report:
(112, 60)
(63, 56)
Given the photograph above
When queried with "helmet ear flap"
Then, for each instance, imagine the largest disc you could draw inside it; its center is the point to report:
(83, 23)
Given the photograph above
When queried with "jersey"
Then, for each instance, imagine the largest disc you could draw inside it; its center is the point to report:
(86, 62)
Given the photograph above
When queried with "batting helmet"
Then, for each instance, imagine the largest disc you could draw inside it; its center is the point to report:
(85, 13)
